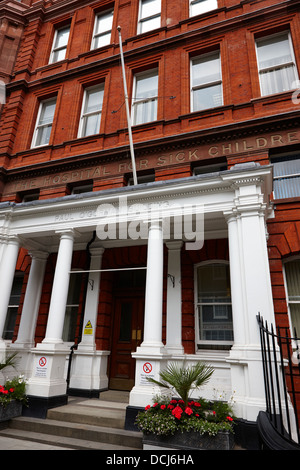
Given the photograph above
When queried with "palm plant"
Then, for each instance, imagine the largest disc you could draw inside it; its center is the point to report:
(184, 379)
(9, 361)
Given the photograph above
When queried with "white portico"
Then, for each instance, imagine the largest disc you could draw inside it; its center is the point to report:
(235, 204)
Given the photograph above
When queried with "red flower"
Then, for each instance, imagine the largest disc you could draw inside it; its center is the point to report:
(196, 403)
(147, 407)
(155, 404)
(11, 390)
(173, 401)
(188, 411)
(180, 401)
(177, 412)
(170, 407)
(229, 418)
(163, 407)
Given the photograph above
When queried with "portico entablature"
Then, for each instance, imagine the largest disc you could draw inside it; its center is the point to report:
(240, 189)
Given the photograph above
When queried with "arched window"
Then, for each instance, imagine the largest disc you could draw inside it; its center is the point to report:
(292, 278)
(214, 313)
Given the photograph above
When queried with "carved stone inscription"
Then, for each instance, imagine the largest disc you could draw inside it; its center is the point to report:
(220, 149)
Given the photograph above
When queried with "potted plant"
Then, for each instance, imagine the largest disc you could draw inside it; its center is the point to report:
(12, 392)
(186, 423)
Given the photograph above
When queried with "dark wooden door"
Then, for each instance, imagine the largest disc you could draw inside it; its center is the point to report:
(127, 336)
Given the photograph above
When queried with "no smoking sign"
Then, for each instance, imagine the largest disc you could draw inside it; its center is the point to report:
(147, 367)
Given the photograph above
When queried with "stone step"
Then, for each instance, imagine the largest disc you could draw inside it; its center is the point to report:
(91, 412)
(72, 435)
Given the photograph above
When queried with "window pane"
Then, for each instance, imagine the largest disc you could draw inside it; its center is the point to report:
(91, 125)
(43, 135)
(47, 113)
(62, 38)
(273, 51)
(102, 40)
(102, 33)
(214, 303)
(71, 314)
(104, 22)
(59, 55)
(214, 283)
(292, 272)
(286, 178)
(214, 326)
(208, 97)
(149, 8)
(94, 101)
(146, 91)
(201, 6)
(12, 310)
(146, 86)
(206, 70)
(148, 25)
(276, 81)
(145, 112)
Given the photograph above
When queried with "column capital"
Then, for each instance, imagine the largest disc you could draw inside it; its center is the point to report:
(38, 254)
(174, 245)
(69, 233)
(97, 251)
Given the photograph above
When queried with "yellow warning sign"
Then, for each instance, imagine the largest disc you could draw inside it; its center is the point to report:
(88, 329)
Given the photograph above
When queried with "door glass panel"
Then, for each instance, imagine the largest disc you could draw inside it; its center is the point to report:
(125, 322)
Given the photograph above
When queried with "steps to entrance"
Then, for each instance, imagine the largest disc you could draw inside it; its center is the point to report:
(94, 424)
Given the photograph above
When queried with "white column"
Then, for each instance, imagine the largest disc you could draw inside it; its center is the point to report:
(48, 378)
(89, 366)
(154, 289)
(174, 323)
(92, 301)
(32, 300)
(60, 288)
(7, 272)
(151, 356)
(251, 294)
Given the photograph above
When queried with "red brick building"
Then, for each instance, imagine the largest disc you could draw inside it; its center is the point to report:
(213, 95)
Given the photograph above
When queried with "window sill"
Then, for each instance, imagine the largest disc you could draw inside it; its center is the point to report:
(213, 347)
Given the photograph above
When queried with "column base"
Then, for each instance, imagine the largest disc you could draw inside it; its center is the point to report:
(89, 371)
(48, 371)
(39, 406)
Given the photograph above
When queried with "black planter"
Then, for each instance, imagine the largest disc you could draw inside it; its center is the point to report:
(11, 410)
(190, 441)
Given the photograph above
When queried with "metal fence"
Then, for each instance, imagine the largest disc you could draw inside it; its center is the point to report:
(281, 367)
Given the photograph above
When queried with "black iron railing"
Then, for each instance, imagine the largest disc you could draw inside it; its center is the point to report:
(281, 367)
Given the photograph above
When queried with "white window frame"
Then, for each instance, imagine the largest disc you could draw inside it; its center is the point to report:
(54, 48)
(206, 84)
(97, 34)
(84, 115)
(143, 20)
(288, 301)
(277, 67)
(39, 126)
(281, 188)
(68, 315)
(136, 102)
(210, 5)
(198, 340)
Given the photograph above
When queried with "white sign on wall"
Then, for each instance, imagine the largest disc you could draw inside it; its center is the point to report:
(41, 366)
(147, 371)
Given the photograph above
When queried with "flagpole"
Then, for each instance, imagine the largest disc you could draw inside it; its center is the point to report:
(127, 110)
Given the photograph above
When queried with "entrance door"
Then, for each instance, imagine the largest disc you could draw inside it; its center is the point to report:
(127, 335)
